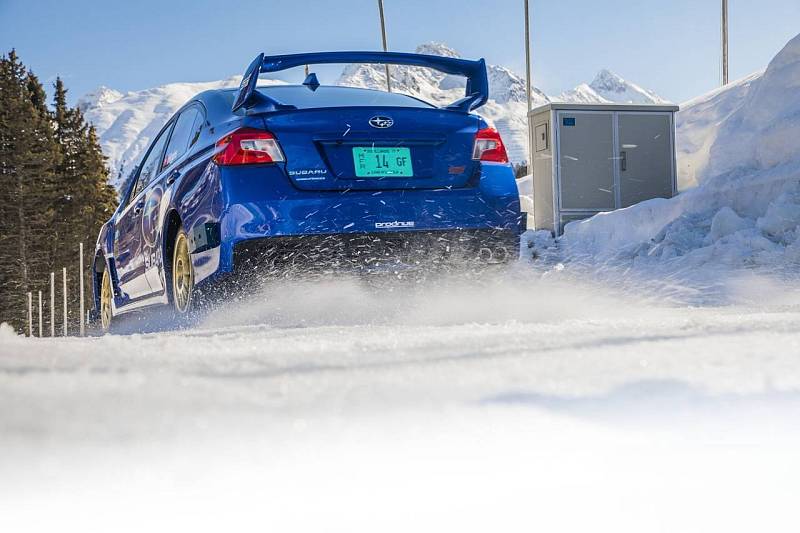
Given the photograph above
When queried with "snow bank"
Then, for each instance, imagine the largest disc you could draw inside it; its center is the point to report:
(745, 211)
(763, 132)
(749, 124)
(697, 124)
(7, 332)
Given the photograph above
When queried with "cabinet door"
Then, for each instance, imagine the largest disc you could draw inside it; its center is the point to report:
(645, 157)
(586, 160)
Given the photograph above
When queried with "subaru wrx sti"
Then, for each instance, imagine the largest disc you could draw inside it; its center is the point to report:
(313, 176)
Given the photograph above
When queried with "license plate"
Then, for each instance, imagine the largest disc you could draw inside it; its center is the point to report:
(382, 162)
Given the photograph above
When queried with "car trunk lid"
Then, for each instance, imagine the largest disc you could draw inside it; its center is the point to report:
(376, 147)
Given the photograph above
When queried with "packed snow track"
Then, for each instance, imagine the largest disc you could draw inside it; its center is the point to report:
(328, 406)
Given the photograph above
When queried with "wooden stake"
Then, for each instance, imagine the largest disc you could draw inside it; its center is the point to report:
(64, 271)
(30, 315)
(52, 304)
(80, 276)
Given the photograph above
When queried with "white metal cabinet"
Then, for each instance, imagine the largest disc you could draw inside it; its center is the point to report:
(599, 157)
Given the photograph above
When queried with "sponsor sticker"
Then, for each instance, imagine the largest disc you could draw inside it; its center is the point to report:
(394, 224)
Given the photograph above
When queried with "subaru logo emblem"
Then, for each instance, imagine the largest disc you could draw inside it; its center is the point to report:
(381, 122)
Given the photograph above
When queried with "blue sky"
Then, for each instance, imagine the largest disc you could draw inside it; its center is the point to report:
(670, 46)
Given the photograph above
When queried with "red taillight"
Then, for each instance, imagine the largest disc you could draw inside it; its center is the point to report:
(248, 146)
(489, 147)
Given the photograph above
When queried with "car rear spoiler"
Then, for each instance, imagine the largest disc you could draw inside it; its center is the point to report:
(477, 91)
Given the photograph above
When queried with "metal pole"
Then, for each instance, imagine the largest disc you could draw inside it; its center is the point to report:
(80, 277)
(64, 271)
(528, 82)
(385, 47)
(52, 304)
(30, 315)
(40, 313)
(724, 42)
(528, 54)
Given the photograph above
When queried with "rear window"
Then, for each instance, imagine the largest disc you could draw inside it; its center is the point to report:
(327, 96)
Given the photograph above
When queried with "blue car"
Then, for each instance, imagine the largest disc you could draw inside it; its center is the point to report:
(308, 176)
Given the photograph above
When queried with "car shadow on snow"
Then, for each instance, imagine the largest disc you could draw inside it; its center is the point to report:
(670, 403)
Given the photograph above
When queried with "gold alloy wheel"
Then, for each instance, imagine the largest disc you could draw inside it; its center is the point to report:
(182, 275)
(105, 301)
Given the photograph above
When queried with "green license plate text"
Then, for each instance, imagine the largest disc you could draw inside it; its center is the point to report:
(382, 162)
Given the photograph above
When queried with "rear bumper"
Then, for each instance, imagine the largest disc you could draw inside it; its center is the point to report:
(258, 205)
(391, 252)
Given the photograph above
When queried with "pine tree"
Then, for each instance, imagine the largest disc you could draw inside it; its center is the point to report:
(28, 157)
(88, 199)
(54, 190)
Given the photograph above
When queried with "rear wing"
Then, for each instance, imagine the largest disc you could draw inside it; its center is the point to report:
(477, 90)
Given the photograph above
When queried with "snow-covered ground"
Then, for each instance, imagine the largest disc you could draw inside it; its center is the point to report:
(528, 402)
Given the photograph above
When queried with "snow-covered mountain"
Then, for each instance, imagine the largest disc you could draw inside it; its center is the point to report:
(610, 88)
(126, 123)
(504, 85)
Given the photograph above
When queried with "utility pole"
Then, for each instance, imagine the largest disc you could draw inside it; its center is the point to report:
(40, 314)
(385, 47)
(724, 42)
(528, 82)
